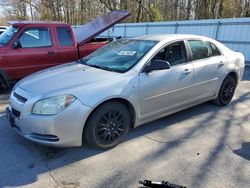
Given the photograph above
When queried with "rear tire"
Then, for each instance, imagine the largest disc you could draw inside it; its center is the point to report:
(107, 126)
(226, 92)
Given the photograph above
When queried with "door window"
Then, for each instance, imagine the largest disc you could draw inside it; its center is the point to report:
(35, 37)
(65, 36)
(174, 53)
(200, 49)
(216, 52)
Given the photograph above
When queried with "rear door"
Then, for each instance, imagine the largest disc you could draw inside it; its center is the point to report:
(67, 49)
(167, 90)
(208, 65)
(35, 52)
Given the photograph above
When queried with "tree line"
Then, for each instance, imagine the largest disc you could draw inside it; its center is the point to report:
(82, 11)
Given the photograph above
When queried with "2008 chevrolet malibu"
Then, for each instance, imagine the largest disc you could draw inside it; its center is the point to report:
(122, 85)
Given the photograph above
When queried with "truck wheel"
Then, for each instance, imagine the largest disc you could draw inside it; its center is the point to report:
(226, 92)
(107, 126)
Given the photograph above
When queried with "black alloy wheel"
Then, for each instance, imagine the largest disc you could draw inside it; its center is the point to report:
(107, 126)
(226, 92)
(110, 127)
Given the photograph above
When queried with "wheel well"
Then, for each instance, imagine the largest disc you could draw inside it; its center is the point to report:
(234, 75)
(125, 102)
(4, 78)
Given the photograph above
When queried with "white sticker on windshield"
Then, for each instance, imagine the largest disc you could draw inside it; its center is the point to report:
(130, 53)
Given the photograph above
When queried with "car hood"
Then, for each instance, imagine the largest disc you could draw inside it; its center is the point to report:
(83, 33)
(64, 78)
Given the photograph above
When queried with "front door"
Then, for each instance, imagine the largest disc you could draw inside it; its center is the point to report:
(166, 90)
(34, 53)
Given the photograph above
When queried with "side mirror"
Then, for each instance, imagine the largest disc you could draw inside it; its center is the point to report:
(157, 65)
(16, 45)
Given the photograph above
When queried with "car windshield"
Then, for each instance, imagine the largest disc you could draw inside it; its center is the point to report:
(7, 35)
(120, 55)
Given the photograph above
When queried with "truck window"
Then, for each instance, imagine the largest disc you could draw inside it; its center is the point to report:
(65, 36)
(35, 37)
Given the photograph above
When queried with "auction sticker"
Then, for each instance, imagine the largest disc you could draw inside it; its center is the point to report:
(130, 53)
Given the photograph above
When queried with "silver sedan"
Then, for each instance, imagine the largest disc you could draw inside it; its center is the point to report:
(122, 85)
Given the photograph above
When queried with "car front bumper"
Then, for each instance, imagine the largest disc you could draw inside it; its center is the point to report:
(61, 130)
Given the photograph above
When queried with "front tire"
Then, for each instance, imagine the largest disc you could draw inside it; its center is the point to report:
(226, 92)
(107, 126)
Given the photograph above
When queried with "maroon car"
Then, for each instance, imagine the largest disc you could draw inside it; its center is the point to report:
(27, 47)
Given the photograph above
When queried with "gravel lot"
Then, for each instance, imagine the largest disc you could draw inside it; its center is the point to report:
(205, 146)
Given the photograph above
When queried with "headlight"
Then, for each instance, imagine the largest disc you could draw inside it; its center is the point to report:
(53, 105)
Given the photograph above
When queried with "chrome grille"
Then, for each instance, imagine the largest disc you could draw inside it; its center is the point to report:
(20, 98)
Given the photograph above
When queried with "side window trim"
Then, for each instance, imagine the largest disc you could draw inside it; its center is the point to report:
(212, 44)
(30, 28)
(164, 46)
(188, 51)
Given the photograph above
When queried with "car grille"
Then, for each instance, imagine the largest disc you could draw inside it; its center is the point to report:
(20, 98)
(15, 112)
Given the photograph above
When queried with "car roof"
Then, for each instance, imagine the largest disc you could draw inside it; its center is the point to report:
(166, 37)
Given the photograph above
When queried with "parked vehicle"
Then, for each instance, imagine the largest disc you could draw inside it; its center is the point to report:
(27, 47)
(127, 83)
(2, 29)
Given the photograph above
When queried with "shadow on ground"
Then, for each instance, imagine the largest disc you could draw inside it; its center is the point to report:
(244, 151)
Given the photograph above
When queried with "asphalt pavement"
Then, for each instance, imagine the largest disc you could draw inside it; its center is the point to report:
(204, 146)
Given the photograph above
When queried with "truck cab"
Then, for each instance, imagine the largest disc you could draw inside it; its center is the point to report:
(30, 46)
(27, 47)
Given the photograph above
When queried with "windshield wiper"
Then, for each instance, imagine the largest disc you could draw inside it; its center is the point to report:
(104, 68)
(101, 67)
(83, 61)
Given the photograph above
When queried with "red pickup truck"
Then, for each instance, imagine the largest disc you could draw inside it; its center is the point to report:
(27, 47)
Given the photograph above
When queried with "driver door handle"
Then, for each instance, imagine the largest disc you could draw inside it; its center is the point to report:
(187, 71)
(221, 63)
(51, 52)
